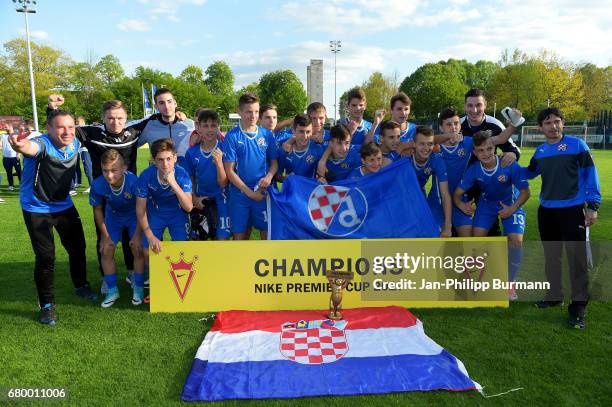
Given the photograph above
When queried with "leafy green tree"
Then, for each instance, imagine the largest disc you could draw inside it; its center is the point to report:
(109, 69)
(433, 87)
(219, 78)
(284, 89)
(192, 74)
(597, 88)
(378, 89)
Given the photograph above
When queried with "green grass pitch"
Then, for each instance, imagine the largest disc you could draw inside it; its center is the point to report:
(126, 356)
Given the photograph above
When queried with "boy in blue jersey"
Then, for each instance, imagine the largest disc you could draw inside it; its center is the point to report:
(250, 161)
(210, 215)
(456, 152)
(389, 141)
(503, 191)
(164, 198)
(115, 191)
(317, 114)
(358, 127)
(400, 110)
(569, 183)
(343, 156)
(49, 165)
(305, 153)
(429, 164)
(372, 161)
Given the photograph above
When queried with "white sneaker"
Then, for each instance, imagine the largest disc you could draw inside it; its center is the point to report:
(512, 117)
(72, 192)
(86, 191)
(111, 297)
(10, 188)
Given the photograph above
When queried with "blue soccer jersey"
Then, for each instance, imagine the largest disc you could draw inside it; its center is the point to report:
(405, 135)
(496, 185)
(302, 163)
(360, 133)
(392, 155)
(120, 209)
(161, 200)
(119, 203)
(434, 166)
(456, 159)
(340, 169)
(251, 152)
(569, 176)
(44, 188)
(200, 165)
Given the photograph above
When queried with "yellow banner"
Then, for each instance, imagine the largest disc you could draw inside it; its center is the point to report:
(290, 275)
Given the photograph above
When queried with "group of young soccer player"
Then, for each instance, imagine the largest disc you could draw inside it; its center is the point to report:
(216, 187)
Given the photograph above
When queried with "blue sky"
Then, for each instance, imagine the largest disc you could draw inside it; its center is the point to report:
(255, 37)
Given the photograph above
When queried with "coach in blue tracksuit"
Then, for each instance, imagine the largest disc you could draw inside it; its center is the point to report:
(569, 181)
(50, 162)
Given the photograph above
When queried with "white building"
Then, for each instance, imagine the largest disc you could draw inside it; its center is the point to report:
(314, 81)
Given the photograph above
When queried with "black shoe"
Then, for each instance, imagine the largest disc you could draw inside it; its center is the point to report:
(548, 304)
(86, 293)
(47, 315)
(577, 322)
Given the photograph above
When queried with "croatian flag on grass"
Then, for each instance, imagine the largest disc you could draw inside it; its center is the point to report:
(286, 354)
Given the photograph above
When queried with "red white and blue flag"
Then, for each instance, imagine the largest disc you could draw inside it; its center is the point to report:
(287, 354)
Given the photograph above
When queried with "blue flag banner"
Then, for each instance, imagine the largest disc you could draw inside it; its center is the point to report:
(287, 354)
(387, 204)
(153, 90)
(146, 103)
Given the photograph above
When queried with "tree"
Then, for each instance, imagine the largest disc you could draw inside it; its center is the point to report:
(50, 68)
(378, 89)
(597, 88)
(433, 87)
(192, 74)
(109, 69)
(284, 89)
(219, 78)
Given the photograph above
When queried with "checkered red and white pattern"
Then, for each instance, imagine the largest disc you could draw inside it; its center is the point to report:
(323, 203)
(314, 345)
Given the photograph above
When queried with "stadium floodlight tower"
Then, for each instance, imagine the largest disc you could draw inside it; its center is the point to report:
(25, 7)
(335, 48)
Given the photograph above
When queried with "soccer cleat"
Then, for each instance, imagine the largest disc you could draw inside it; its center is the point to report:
(72, 192)
(86, 191)
(548, 304)
(86, 293)
(138, 296)
(10, 188)
(577, 322)
(512, 117)
(111, 297)
(47, 315)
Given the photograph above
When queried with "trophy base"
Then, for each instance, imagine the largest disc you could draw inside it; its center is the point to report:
(334, 316)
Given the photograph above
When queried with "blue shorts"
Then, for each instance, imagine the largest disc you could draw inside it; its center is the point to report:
(223, 216)
(115, 225)
(177, 224)
(460, 218)
(245, 212)
(486, 213)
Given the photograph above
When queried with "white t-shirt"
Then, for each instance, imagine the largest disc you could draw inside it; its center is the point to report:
(7, 151)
